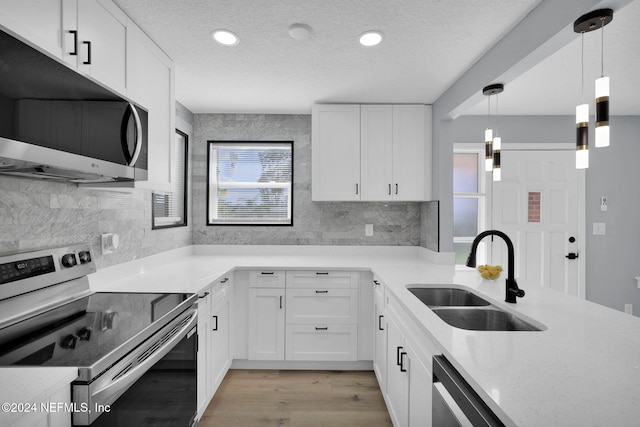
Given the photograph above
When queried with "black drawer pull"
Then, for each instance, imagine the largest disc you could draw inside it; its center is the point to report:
(267, 273)
(206, 294)
(88, 61)
(74, 52)
(280, 301)
(322, 329)
(322, 273)
(402, 368)
(216, 328)
(398, 350)
(322, 292)
(225, 280)
(375, 282)
(379, 322)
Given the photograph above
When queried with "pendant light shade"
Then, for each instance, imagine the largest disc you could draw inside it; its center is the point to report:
(582, 136)
(488, 150)
(497, 147)
(602, 112)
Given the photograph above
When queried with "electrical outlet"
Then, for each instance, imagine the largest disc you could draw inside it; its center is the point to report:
(628, 308)
(599, 228)
(368, 229)
(603, 204)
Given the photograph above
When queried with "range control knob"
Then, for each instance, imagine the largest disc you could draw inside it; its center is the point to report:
(85, 333)
(69, 342)
(85, 257)
(69, 260)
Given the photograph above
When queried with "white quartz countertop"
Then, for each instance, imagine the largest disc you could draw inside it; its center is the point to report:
(24, 389)
(583, 370)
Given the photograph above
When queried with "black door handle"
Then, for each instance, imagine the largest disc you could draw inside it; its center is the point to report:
(380, 316)
(74, 52)
(88, 61)
(572, 255)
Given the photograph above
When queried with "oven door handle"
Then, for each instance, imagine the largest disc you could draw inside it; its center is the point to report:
(108, 390)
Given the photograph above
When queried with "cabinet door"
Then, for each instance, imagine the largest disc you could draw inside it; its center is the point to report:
(150, 82)
(408, 152)
(335, 141)
(219, 345)
(380, 347)
(204, 342)
(266, 324)
(322, 306)
(376, 139)
(397, 394)
(38, 21)
(102, 42)
(420, 388)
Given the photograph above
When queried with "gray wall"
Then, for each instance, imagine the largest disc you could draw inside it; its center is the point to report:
(36, 214)
(613, 260)
(315, 223)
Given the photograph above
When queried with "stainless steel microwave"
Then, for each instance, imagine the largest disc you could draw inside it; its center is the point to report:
(56, 124)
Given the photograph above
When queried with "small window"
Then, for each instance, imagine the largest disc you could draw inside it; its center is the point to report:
(170, 209)
(250, 183)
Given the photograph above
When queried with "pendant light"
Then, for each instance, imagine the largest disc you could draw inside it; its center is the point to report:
(591, 21)
(493, 89)
(582, 121)
(497, 148)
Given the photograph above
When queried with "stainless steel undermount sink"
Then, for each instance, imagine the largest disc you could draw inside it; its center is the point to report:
(483, 319)
(438, 297)
(463, 309)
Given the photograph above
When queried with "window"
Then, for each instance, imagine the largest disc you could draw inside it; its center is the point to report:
(468, 201)
(170, 209)
(250, 183)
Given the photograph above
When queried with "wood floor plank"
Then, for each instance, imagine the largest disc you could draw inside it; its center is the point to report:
(297, 399)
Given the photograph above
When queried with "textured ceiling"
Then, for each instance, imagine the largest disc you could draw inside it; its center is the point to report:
(427, 45)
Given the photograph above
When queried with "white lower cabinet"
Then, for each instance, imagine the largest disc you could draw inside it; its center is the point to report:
(380, 345)
(266, 324)
(214, 350)
(409, 374)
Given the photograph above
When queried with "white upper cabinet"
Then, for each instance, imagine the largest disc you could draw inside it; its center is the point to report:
(101, 42)
(335, 134)
(89, 35)
(394, 146)
(150, 83)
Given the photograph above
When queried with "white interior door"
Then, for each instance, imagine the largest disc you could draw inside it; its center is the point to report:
(540, 204)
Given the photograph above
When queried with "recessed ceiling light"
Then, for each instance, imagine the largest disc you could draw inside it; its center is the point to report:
(225, 37)
(370, 38)
(300, 31)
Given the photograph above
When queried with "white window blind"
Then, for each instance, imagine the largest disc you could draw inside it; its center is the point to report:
(169, 209)
(250, 183)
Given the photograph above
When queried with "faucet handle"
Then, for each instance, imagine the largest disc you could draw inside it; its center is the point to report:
(518, 292)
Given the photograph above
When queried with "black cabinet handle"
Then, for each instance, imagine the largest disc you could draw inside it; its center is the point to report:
(356, 188)
(266, 273)
(322, 329)
(398, 350)
(389, 189)
(203, 296)
(322, 292)
(225, 280)
(375, 282)
(75, 42)
(88, 61)
(216, 328)
(396, 188)
(280, 301)
(322, 273)
(402, 368)
(380, 328)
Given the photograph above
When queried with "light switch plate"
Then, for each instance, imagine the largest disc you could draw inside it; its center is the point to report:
(599, 228)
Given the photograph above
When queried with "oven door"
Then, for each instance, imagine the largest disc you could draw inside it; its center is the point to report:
(153, 385)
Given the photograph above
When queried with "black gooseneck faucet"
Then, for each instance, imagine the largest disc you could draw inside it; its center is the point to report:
(512, 290)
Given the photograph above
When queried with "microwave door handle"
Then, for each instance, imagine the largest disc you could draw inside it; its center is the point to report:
(131, 112)
(107, 394)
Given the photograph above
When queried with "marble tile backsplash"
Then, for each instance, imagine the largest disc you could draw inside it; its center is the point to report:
(314, 223)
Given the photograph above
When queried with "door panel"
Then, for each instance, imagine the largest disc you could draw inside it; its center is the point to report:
(536, 205)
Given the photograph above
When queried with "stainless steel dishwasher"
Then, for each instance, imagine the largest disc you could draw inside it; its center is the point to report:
(455, 403)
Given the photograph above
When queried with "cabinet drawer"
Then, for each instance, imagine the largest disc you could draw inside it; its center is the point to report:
(322, 305)
(323, 279)
(322, 342)
(267, 278)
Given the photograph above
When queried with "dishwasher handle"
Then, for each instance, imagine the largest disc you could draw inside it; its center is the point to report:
(467, 400)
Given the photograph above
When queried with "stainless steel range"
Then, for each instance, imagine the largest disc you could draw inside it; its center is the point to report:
(135, 352)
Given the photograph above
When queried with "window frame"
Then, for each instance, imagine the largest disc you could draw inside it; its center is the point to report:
(185, 195)
(483, 195)
(249, 224)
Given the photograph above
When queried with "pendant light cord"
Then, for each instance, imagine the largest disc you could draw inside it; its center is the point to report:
(602, 47)
(582, 68)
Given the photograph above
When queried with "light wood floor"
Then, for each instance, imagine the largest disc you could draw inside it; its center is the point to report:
(297, 398)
